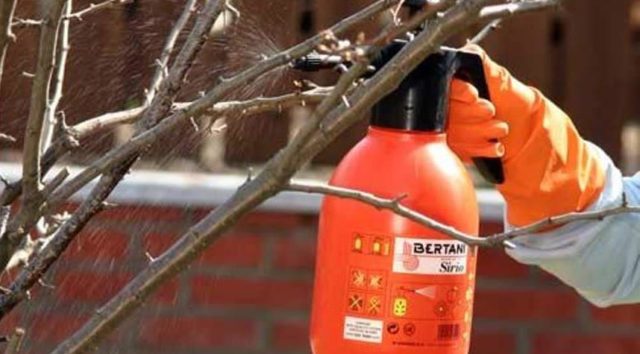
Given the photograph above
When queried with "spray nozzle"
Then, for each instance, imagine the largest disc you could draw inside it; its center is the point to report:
(315, 61)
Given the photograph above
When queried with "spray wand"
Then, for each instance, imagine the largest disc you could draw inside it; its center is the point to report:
(421, 100)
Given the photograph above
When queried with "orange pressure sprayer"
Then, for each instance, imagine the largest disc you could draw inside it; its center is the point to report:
(385, 284)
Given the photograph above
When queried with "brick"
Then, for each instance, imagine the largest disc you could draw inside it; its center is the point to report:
(279, 220)
(7, 277)
(138, 213)
(525, 304)
(90, 287)
(585, 343)
(295, 252)
(245, 250)
(495, 263)
(290, 335)
(483, 342)
(199, 333)
(167, 294)
(254, 293)
(98, 244)
(53, 328)
(490, 228)
(10, 322)
(627, 315)
(262, 219)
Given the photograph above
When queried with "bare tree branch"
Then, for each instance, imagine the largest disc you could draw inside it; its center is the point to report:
(15, 341)
(168, 88)
(25, 22)
(268, 182)
(395, 29)
(5, 212)
(623, 208)
(248, 107)
(57, 81)
(4, 138)
(393, 205)
(94, 8)
(163, 61)
(495, 240)
(7, 9)
(39, 95)
(490, 13)
(486, 30)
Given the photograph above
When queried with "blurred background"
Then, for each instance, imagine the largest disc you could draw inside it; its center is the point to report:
(250, 293)
(582, 57)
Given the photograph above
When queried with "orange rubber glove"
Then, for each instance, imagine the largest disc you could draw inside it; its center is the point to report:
(548, 167)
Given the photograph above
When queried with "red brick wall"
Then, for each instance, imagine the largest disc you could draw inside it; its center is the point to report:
(250, 293)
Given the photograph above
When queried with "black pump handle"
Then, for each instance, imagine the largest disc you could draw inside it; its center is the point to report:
(471, 69)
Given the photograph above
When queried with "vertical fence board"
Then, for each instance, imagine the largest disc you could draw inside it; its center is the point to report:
(598, 69)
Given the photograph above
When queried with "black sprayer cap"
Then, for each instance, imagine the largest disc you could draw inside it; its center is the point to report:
(421, 101)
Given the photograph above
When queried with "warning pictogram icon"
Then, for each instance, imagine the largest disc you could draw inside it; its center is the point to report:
(400, 306)
(374, 306)
(380, 247)
(409, 329)
(375, 281)
(358, 278)
(358, 243)
(393, 328)
(356, 303)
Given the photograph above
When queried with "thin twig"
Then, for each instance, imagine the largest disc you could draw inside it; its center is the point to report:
(486, 30)
(490, 13)
(623, 208)
(395, 29)
(25, 22)
(39, 94)
(4, 138)
(163, 61)
(5, 212)
(168, 87)
(57, 81)
(7, 9)
(56, 181)
(15, 341)
(248, 107)
(94, 8)
(495, 240)
(393, 205)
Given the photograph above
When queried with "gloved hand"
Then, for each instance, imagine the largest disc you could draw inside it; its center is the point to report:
(549, 169)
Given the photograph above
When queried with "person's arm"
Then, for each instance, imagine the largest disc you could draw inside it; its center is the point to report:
(550, 170)
(599, 258)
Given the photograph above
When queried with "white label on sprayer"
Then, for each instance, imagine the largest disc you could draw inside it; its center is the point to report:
(423, 256)
(362, 329)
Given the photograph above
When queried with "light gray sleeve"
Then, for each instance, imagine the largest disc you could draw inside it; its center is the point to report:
(600, 259)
